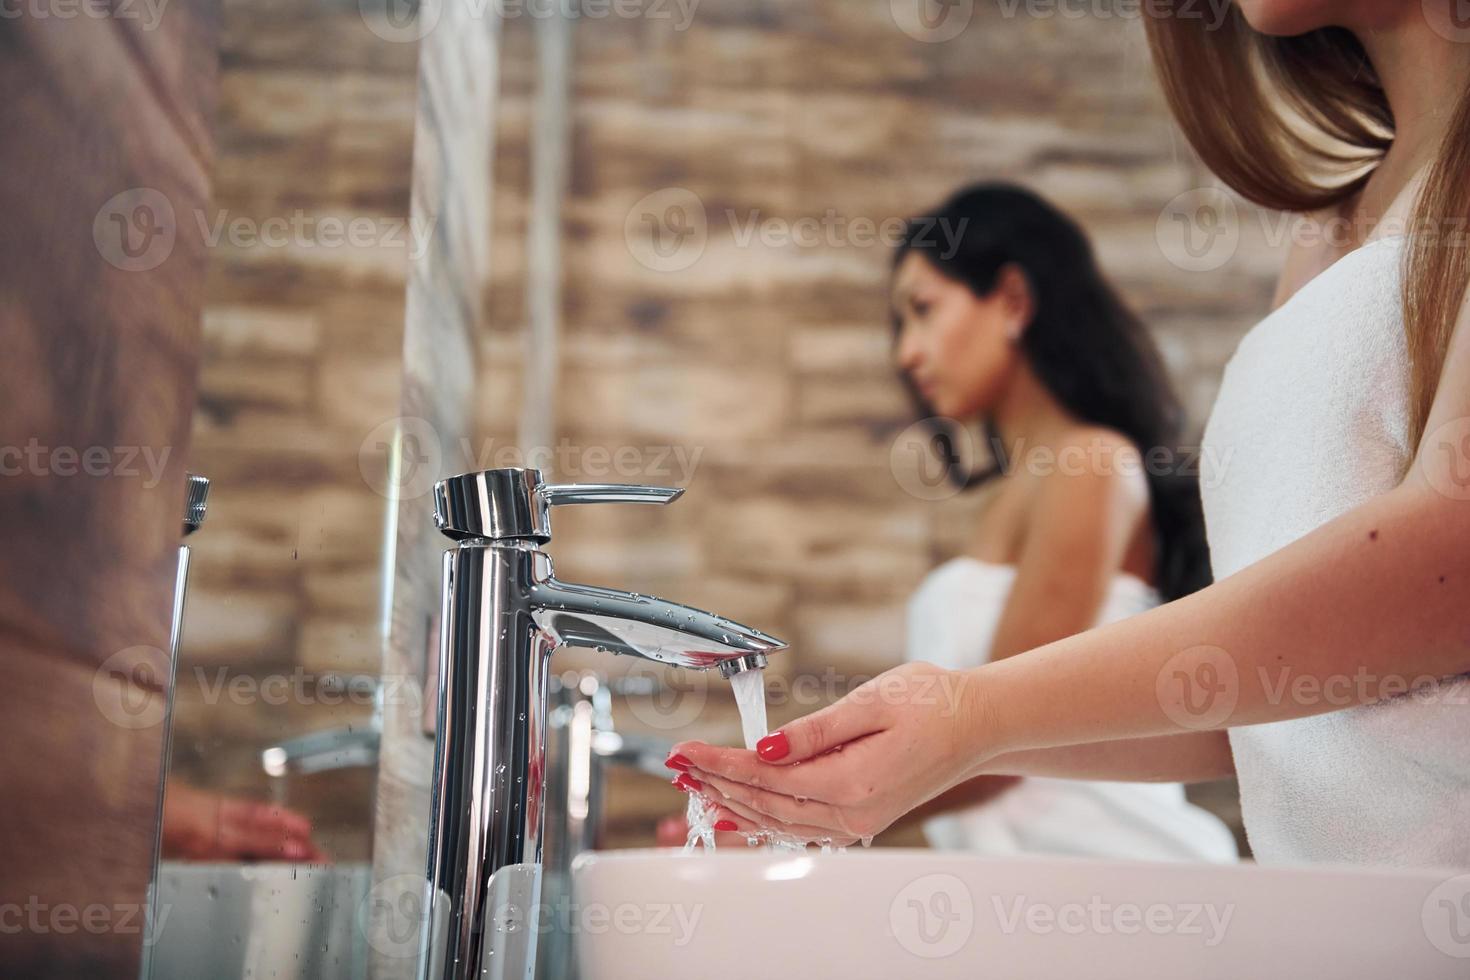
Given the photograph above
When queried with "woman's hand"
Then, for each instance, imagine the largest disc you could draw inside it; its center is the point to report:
(674, 832)
(850, 770)
(202, 826)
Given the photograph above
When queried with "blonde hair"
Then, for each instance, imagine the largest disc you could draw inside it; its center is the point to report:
(1298, 124)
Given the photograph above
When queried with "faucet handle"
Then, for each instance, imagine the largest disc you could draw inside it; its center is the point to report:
(514, 504)
(196, 501)
(607, 493)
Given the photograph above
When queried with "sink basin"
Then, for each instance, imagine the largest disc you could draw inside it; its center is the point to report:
(286, 921)
(920, 913)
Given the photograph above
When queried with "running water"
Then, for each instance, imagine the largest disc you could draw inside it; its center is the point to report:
(700, 815)
(750, 698)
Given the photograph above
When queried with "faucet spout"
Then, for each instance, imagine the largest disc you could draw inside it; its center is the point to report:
(644, 626)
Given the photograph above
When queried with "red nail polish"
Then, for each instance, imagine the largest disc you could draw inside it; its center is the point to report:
(773, 747)
(687, 782)
(678, 762)
(725, 826)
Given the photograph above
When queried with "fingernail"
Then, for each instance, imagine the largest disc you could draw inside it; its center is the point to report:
(687, 782)
(725, 825)
(678, 762)
(773, 747)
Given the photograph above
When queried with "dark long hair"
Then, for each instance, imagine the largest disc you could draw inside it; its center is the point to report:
(1090, 351)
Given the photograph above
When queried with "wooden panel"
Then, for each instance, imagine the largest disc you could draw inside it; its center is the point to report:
(103, 164)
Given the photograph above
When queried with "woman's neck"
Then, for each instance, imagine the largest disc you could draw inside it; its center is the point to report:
(1424, 74)
(1028, 414)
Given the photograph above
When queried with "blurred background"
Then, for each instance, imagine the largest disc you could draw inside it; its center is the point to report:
(669, 237)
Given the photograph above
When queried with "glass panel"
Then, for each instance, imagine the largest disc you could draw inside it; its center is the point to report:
(275, 724)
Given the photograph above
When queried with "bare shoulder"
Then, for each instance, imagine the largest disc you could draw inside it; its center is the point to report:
(1099, 465)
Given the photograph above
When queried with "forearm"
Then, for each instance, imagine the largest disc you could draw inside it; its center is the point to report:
(972, 792)
(1352, 613)
(1196, 757)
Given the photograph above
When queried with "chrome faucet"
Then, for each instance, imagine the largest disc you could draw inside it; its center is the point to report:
(504, 613)
(353, 747)
(327, 751)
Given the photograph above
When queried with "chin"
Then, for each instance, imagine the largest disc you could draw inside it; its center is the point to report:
(944, 407)
(1288, 18)
(960, 411)
(939, 408)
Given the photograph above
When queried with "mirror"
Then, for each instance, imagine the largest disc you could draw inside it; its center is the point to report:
(275, 736)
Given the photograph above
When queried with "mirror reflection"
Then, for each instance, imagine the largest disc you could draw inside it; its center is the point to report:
(275, 741)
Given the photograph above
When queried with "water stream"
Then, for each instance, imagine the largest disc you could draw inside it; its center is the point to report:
(750, 697)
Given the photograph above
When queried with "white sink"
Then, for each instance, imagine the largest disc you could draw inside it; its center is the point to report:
(917, 913)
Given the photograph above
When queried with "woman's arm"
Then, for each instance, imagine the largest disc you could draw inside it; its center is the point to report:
(1197, 757)
(1367, 607)
(970, 793)
(1078, 531)
(1077, 536)
(1364, 608)
(1361, 609)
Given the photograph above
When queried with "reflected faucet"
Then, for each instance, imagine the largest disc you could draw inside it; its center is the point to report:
(353, 747)
(504, 614)
(196, 504)
(582, 745)
(328, 751)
